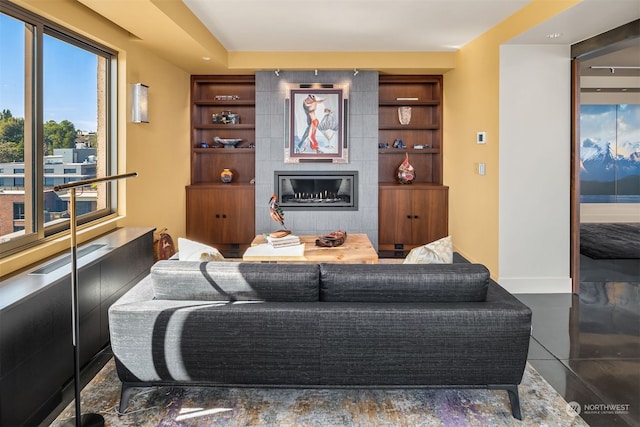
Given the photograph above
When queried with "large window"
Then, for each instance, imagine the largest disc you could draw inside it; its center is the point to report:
(56, 107)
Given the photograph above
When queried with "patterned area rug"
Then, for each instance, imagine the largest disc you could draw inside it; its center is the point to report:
(610, 241)
(210, 406)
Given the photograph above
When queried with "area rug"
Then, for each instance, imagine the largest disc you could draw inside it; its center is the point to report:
(610, 241)
(235, 407)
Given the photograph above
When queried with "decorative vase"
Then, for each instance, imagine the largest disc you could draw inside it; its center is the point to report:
(226, 176)
(404, 115)
(406, 173)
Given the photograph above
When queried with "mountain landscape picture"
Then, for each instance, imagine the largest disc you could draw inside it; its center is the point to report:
(610, 153)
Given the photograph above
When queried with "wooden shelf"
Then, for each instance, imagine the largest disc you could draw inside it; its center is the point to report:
(221, 214)
(411, 215)
(230, 103)
(228, 151)
(221, 184)
(410, 127)
(397, 103)
(401, 151)
(224, 127)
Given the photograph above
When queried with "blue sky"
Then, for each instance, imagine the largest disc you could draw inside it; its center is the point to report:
(70, 76)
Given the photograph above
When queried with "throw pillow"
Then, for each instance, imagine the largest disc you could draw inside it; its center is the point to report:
(188, 250)
(438, 252)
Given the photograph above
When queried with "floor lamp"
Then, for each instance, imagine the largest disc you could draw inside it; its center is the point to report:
(80, 420)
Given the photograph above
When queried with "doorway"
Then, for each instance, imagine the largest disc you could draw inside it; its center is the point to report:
(605, 71)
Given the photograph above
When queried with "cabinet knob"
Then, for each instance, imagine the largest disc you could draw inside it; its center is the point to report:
(217, 215)
(408, 216)
(224, 215)
(415, 217)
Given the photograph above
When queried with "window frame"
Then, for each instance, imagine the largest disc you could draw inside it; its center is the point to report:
(34, 124)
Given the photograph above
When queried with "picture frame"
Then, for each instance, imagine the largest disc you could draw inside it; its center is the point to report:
(315, 123)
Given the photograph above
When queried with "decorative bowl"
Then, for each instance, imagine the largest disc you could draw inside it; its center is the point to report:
(228, 143)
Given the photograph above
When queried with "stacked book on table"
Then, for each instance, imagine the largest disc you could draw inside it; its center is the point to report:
(282, 242)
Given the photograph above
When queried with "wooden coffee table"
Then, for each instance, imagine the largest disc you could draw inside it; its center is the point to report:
(357, 249)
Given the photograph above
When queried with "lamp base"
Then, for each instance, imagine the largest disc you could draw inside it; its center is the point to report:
(86, 420)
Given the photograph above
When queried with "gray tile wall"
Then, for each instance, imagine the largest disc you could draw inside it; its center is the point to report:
(363, 152)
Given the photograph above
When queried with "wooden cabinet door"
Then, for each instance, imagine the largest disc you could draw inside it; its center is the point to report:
(238, 213)
(394, 216)
(220, 214)
(429, 221)
(411, 216)
(202, 224)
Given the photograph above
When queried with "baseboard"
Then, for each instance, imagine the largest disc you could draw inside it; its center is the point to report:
(536, 285)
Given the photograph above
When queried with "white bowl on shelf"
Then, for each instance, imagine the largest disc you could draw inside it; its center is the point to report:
(226, 142)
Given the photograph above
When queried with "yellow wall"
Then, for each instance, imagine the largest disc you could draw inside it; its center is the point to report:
(471, 104)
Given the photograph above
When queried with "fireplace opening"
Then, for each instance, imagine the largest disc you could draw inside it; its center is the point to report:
(324, 190)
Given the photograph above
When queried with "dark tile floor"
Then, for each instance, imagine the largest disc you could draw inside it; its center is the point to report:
(587, 346)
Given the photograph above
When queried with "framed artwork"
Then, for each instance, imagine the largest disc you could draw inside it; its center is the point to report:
(316, 124)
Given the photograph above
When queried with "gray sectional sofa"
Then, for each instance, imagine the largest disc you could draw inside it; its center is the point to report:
(320, 325)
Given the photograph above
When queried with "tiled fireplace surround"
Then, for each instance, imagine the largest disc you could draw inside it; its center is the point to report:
(362, 127)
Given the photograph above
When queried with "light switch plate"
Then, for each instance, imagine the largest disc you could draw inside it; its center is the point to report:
(482, 169)
(481, 138)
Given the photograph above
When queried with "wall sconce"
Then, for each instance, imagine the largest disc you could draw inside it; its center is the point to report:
(139, 103)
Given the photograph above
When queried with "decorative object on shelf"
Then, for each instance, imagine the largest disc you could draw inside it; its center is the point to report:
(227, 143)
(418, 147)
(204, 145)
(398, 144)
(226, 97)
(225, 118)
(404, 115)
(233, 119)
(383, 145)
(226, 175)
(331, 240)
(406, 173)
(275, 210)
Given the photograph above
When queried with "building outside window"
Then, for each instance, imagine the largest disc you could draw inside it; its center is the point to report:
(57, 115)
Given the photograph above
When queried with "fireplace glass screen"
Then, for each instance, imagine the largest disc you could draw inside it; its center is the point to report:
(333, 190)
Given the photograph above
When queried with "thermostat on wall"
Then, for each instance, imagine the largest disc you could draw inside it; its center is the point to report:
(481, 138)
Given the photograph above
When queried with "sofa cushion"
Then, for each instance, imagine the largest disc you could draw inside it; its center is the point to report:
(190, 250)
(403, 282)
(437, 252)
(234, 281)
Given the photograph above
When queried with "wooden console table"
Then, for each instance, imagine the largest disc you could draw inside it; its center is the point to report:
(357, 249)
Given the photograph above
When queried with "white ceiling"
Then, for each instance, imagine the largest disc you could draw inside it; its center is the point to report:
(350, 25)
(187, 31)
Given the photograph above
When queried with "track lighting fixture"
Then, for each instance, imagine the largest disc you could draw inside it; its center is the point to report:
(277, 72)
(355, 72)
(315, 72)
(613, 68)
